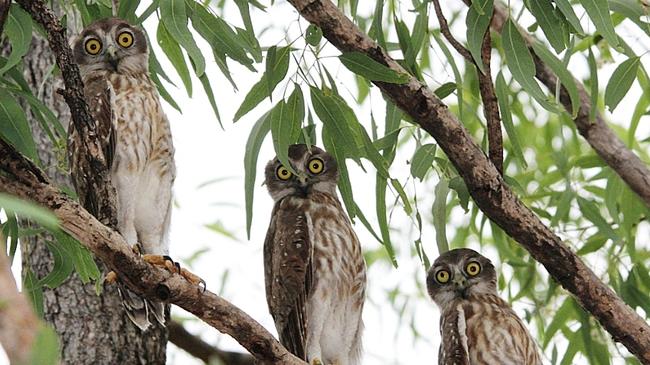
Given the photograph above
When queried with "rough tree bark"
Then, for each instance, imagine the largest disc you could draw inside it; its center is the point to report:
(486, 185)
(93, 329)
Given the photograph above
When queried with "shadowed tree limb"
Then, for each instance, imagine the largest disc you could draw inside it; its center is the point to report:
(486, 185)
(18, 323)
(486, 87)
(602, 139)
(21, 178)
(202, 350)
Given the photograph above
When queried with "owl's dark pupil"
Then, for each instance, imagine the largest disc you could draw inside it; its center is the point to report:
(93, 47)
(125, 39)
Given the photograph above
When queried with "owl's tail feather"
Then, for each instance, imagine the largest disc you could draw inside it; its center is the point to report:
(138, 308)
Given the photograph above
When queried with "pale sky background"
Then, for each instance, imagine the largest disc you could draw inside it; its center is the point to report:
(205, 152)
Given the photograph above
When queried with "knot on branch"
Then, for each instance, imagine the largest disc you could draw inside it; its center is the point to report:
(162, 292)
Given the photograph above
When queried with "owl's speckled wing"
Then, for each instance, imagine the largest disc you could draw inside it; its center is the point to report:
(288, 275)
(453, 349)
(99, 95)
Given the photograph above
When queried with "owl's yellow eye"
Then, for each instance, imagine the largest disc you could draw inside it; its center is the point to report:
(283, 173)
(442, 276)
(125, 39)
(473, 268)
(315, 165)
(93, 46)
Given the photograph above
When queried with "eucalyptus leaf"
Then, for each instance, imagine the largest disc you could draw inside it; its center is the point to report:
(253, 145)
(365, 66)
(621, 81)
(439, 211)
(598, 11)
(477, 22)
(423, 160)
(174, 15)
(18, 29)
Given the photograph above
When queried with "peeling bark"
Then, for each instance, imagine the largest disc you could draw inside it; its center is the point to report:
(486, 185)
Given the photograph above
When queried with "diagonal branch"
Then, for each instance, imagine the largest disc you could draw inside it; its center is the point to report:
(486, 185)
(202, 350)
(486, 87)
(602, 139)
(23, 179)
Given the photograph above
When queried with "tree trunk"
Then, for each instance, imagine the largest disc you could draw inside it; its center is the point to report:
(92, 329)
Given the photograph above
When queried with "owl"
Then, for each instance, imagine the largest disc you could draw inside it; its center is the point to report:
(314, 269)
(477, 326)
(113, 59)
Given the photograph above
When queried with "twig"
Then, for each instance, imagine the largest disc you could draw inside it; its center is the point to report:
(486, 87)
(202, 350)
(23, 179)
(486, 185)
(18, 323)
(602, 139)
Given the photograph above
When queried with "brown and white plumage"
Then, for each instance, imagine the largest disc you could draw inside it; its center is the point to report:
(477, 326)
(136, 137)
(314, 269)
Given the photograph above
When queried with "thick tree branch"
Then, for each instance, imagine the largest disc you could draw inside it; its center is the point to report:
(486, 87)
(602, 139)
(486, 185)
(202, 350)
(18, 323)
(20, 177)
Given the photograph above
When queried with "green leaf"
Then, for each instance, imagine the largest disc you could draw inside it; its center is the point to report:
(621, 81)
(127, 10)
(403, 197)
(593, 71)
(332, 112)
(253, 145)
(561, 319)
(81, 257)
(207, 88)
(260, 90)
(286, 121)
(46, 348)
(220, 35)
(567, 10)
(365, 66)
(445, 89)
(313, 35)
(270, 62)
(439, 211)
(549, 21)
(61, 270)
(502, 93)
(590, 210)
(422, 160)
(14, 127)
(382, 217)
(18, 29)
(173, 52)
(33, 291)
(173, 15)
(563, 206)
(457, 76)
(566, 78)
(477, 22)
(332, 146)
(458, 184)
(29, 211)
(420, 29)
(598, 11)
(521, 65)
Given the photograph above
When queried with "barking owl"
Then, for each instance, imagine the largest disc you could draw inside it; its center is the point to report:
(477, 326)
(313, 266)
(113, 60)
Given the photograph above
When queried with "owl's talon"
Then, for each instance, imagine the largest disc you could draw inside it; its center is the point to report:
(137, 249)
(316, 362)
(175, 268)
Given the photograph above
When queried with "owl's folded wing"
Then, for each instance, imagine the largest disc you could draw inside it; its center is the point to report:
(453, 348)
(288, 276)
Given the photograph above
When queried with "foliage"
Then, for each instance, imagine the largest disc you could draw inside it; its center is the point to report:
(547, 163)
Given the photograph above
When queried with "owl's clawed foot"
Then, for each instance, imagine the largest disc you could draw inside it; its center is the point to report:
(174, 267)
(110, 278)
(316, 362)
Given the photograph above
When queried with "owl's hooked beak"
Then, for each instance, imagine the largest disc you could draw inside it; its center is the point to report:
(460, 283)
(111, 51)
(303, 185)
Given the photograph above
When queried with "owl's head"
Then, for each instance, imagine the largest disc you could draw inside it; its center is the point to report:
(111, 44)
(317, 172)
(460, 274)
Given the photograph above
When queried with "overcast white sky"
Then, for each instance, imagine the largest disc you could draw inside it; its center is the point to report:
(205, 152)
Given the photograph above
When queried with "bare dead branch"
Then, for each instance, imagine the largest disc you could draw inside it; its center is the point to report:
(602, 139)
(18, 323)
(486, 185)
(202, 350)
(486, 87)
(23, 179)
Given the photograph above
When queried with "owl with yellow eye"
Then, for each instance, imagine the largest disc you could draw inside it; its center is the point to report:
(113, 59)
(313, 266)
(477, 326)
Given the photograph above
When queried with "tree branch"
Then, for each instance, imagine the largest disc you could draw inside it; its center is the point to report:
(602, 139)
(486, 185)
(202, 350)
(26, 181)
(486, 88)
(18, 323)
